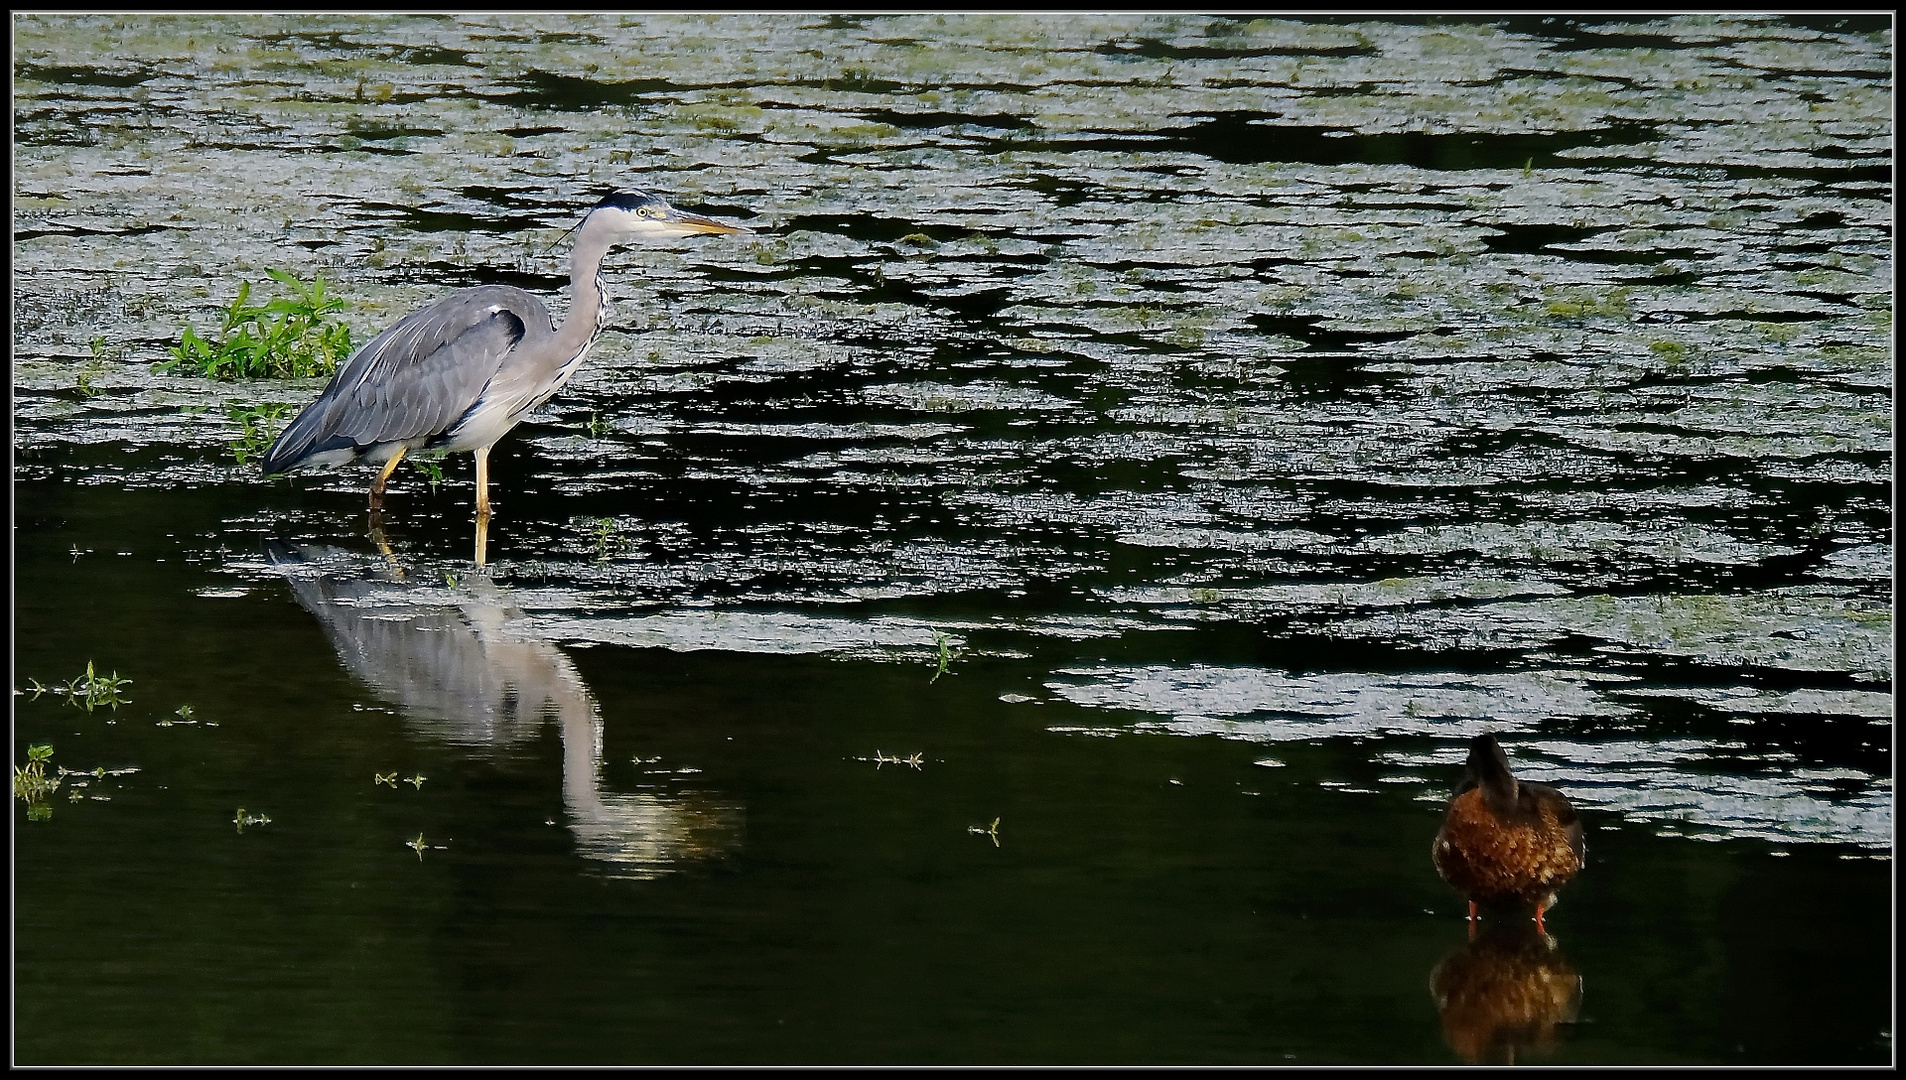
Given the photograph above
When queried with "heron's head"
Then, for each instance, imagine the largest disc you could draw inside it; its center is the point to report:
(634, 215)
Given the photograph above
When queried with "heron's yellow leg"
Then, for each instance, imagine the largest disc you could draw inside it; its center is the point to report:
(483, 505)
(483, 483)
(377, 485)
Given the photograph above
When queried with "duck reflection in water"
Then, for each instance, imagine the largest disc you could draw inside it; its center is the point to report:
(455, 662)
(1502, 994)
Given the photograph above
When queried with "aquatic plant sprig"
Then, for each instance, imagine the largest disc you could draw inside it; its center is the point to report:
(90, 691)
(257, 427)
(991, 831)
(947, 655)
(430, 464)
(603, 536)
(83, 382)
(31, 784)
(917, 759)
(281, 339)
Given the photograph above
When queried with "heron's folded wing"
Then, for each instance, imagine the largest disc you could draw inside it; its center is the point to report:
(416, 378)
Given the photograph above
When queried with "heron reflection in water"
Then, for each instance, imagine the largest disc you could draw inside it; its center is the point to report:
(452, 663)
(459, 373)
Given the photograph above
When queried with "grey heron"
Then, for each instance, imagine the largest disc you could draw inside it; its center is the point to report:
(459, 373)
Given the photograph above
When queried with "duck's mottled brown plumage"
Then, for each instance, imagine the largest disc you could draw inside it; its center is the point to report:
(1504, 841)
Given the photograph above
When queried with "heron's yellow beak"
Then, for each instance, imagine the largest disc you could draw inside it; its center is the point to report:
(695, 223)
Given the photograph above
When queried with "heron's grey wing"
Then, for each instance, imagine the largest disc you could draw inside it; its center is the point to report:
(416, 378)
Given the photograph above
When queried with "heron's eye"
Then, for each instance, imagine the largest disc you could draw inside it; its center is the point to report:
(645, 211)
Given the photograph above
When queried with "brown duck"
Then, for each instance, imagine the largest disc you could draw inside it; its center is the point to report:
(1504, 841)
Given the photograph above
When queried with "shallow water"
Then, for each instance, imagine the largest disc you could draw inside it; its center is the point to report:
(1182, 433)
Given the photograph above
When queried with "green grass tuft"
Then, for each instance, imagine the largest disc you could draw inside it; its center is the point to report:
(282, 339)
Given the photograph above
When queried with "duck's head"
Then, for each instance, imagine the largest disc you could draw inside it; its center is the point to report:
(1488, 767)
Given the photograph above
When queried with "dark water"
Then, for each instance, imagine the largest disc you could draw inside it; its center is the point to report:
(1180, 434)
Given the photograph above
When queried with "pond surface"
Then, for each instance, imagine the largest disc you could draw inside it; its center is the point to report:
(1029, 603)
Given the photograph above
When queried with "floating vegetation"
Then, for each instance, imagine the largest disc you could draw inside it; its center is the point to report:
(384, 778)
(605, 540)
(89, 691)
(78, 780)
(415, 781)
(915, 760)
(282, 339)
(986, 830)
(31, 784)
(947, 655)
(83, 382)
(245, 821)
(183, 715)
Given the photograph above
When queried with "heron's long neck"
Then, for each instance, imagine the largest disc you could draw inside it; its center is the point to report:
(588, 307)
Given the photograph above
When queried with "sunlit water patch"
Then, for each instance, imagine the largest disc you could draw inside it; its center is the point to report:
(1694, 785)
